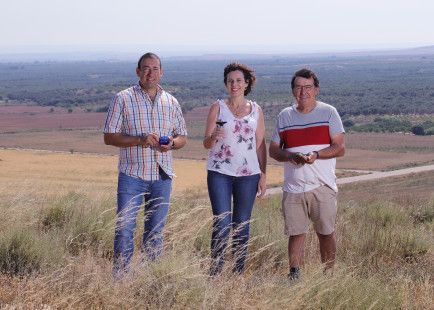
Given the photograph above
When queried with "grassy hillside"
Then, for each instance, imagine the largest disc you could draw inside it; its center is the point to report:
(55, 251)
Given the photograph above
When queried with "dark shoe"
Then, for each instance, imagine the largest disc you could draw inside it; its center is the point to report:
(294, 273)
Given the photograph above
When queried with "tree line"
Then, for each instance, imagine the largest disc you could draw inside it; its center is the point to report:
(354, 85)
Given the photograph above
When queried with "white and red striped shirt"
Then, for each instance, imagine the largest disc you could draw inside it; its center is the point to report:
(299, 132)
(133, 113)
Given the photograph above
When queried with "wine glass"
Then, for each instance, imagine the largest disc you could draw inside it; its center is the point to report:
(220, 123)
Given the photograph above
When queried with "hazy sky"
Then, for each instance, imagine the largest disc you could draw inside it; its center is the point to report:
(221, 25)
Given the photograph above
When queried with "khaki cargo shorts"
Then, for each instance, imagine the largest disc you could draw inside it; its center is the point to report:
(318, 205)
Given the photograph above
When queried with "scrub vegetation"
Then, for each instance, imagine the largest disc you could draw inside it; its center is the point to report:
(356, 84)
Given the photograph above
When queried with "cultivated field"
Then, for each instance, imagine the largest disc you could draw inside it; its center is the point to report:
(80, 131)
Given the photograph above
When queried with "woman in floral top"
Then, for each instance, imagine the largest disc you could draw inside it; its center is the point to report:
(235, 137)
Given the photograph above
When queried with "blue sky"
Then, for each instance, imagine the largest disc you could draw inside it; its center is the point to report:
(195, 26)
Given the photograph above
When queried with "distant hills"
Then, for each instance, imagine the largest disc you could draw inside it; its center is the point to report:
(78, 54)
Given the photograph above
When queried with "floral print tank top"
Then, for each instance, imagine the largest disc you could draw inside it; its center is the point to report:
(235, 154)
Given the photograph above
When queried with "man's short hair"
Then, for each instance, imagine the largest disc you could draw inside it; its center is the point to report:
(307, 74)
(148, 55)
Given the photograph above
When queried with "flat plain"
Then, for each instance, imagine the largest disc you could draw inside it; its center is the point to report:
(33, 127)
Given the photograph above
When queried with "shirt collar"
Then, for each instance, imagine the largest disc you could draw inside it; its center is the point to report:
(159, 90)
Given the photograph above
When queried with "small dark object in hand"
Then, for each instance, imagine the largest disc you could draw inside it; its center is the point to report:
(220, 123)
(164, 140)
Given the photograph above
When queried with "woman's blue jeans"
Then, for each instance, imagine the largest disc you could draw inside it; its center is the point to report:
(221, 189)
(131, 194)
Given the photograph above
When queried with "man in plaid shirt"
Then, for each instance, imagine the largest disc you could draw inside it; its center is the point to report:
(136, 120)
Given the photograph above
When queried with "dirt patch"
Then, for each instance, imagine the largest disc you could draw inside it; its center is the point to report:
(25, 118)
(197, 114)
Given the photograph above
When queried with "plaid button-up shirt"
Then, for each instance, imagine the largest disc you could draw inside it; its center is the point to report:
(133, 113)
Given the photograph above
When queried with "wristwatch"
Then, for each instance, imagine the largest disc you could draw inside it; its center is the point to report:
(173, 144)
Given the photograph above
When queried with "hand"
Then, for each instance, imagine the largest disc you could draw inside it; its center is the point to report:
(311, 157)
(150, 139)
(165, 147)
(262, 186)
(297, 158)
(219, 133)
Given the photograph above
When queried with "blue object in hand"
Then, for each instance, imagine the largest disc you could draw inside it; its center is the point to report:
(164, 140)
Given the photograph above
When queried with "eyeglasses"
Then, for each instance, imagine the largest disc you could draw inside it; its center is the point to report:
(305, 87)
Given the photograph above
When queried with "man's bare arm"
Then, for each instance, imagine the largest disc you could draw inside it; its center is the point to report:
(336, 149)
(122, 140)
(278, 153)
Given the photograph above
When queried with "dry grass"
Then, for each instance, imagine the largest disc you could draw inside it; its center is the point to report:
(56, 246)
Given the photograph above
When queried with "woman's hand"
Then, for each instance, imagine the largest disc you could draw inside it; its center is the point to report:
(219, 133)
(262, 186)
(212, 133)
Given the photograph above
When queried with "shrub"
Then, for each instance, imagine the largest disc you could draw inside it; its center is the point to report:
(387, 234)
(55, 217)
(348, 123)
(429, 131)
(19, 254)
(418, 130)
(423, 214)
(101, 109)
(384, 124)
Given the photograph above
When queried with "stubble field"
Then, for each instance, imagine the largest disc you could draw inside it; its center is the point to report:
(48, 172)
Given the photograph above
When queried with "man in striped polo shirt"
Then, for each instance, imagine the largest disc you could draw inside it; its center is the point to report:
(136, 120)
(308, 137)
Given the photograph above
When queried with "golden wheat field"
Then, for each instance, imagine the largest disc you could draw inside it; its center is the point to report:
(48, 172)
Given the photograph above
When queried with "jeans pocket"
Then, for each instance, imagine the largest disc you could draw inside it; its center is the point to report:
(128, 184)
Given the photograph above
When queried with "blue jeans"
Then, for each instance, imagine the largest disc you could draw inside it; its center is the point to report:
(221, 188)
(131, 192)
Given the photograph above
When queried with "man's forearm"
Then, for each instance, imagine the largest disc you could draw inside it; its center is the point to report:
(334, 150)
(279, 154)
(121, 140)
(282, 155)
(179, 142)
